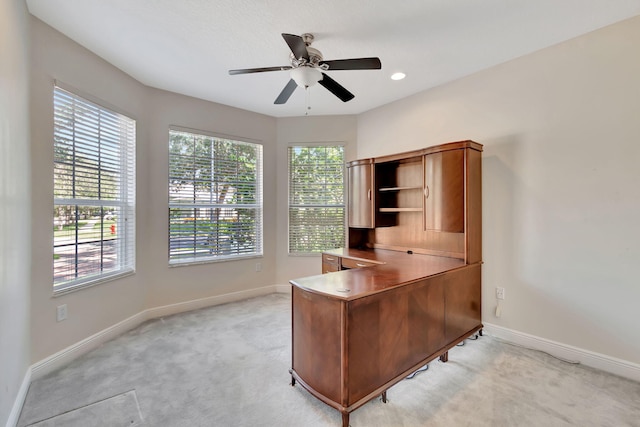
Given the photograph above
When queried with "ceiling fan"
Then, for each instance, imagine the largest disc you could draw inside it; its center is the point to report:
(307, 68)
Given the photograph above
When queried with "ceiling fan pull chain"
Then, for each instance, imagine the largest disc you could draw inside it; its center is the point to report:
(308, 100)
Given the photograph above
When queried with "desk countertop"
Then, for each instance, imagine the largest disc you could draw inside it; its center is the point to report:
(394, 269)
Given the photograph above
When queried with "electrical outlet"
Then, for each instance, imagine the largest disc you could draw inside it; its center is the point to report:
(258, 266)
(61, 312)
(500, 293)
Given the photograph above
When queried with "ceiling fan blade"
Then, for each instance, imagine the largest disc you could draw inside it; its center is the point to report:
(259, 70)
(354, 64)
(286, 92)
(297, 45)
(336, 88)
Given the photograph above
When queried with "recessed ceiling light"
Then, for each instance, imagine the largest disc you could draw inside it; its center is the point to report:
(398, 76)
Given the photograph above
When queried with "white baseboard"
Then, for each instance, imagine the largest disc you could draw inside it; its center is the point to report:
(19, 402)
(182, 307)
(592, 359)
(66, 355)
(283, 289)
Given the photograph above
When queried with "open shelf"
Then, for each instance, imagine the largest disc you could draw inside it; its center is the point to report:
(399, 188)
(400, 209)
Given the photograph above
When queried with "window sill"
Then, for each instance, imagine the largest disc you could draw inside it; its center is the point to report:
(92, 282)
(212, 260)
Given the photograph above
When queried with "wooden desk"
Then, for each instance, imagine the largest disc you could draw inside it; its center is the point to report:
(358, 332)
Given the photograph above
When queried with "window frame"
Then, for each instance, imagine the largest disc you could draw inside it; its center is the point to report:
(258, 207)
(125, 246)
(291, 146)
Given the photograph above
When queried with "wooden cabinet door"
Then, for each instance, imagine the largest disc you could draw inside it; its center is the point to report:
(361, 195)
(444, 191)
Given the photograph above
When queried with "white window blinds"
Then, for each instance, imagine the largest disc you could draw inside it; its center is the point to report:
(316, 199)
(215, 198)
(94, 192)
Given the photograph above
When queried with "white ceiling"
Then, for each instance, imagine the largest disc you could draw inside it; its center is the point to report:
(188, 46)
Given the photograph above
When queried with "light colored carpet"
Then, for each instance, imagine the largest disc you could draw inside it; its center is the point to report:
(228, 366)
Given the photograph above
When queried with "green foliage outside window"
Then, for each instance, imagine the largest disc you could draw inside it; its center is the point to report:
(215, 197)
(316, 198)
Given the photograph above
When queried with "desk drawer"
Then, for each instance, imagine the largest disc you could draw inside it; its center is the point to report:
(330, 263)
(330, 259)
(353, 263)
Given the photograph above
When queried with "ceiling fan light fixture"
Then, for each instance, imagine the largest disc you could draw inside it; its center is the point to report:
(306, 76)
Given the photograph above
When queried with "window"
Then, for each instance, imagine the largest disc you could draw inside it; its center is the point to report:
(94, 192)
(316, 199)
(215, 198)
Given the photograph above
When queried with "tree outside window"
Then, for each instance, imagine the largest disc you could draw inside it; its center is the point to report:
(316, 198)
(215, 198)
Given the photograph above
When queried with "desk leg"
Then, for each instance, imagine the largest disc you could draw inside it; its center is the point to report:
(345, 419)
(444, 357)
(293, 379)
(384, 396)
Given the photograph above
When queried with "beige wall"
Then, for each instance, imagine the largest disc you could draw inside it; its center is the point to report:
(304, 130)
(15, 210)
(561, 200)
(167, 285)
(55, 57)
(94, 309)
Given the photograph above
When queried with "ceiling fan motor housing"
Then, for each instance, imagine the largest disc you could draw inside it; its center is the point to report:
(315, 56)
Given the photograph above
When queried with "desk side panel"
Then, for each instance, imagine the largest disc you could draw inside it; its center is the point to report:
(392, 331)
(316, 343)
(462, 301)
